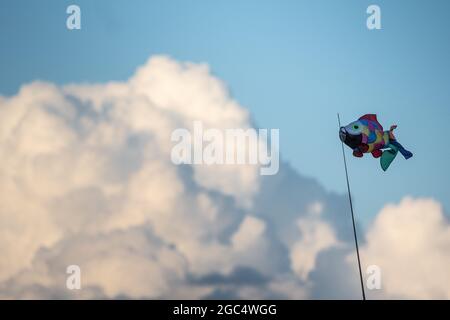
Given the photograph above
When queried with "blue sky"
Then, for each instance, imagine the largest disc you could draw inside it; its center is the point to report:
(293, 64)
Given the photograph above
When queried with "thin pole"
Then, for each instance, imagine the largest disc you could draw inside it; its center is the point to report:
(353, 216)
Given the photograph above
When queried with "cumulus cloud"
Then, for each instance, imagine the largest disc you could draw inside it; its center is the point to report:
(316, 235)
(86, 179)
(410, 242)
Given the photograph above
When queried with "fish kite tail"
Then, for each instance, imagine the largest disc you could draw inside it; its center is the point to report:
(405, 153)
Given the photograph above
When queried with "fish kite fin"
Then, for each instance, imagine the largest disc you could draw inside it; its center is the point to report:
(387, 157)
(357, 153)
(391, 132)
(377, 153)
(363, 147)
(373, 118)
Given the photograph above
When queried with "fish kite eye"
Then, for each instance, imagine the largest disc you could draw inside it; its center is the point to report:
(356, 127)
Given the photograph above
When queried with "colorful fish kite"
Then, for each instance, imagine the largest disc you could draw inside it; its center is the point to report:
(366, 135)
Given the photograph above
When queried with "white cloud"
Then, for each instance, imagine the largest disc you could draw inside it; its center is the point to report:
(315, 236)
(410, 242)
(85, 165)
(86, 179)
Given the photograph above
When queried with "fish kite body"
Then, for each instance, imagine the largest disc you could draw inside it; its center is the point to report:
(366, 135)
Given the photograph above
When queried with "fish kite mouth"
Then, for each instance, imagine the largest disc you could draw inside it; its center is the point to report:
(350, 140)
(342, 134)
